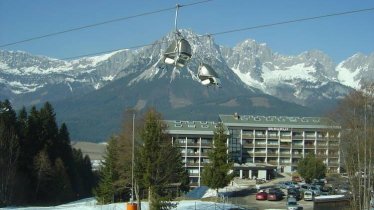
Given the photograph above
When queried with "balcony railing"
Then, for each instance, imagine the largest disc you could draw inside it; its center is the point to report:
(193, 144)
(260, 145)
(247, 145)
(297, 137)
(194, 154)
(309, 146)
(285, 145)
(297, 146)
(206, 144)
(260, 154)
(273, 145)
(192, 164)
(310, 136)
(247, 136)
(273, 162)
(298, 155)
(260, 136)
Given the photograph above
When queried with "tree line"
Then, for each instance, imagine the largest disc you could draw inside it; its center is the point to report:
(38, 166)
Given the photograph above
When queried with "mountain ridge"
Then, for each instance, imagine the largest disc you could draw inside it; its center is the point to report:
(254, 80)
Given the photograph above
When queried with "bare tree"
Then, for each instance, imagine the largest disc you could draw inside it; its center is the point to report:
(355, 114)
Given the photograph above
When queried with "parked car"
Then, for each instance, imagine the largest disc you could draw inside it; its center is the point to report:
(315, 189)
(262, 195)
(308, 195)
(294, 192)
(275, 194)
(277, 190)
(286, 185)
(293, 205)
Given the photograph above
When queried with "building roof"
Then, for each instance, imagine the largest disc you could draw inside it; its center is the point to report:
(190, 127)
(278, 121)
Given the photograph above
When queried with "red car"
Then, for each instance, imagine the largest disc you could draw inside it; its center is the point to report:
(261, 196)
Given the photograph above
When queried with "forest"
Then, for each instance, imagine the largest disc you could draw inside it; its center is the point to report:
(38, 165)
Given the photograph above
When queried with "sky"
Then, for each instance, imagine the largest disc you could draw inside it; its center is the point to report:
(339, 36)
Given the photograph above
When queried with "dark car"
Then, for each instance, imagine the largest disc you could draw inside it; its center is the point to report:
(276, 190)
(293, 192)
(274, 196)
(261, 195)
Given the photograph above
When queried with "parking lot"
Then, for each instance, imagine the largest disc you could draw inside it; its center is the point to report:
(247, 198)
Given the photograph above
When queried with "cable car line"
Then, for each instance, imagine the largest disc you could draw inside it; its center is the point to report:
(101, 23)
(233, 30)
(293, 21)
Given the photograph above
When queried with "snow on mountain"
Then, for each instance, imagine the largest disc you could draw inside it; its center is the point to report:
(356, 70)
(298, 78)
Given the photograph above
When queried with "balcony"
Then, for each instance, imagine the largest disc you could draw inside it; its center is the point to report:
(297, 146)
(273, 145)
(180, 144)
(273, 162)
(333, 164)
(309, 146)
(322, 145)
(310, 136)
(260, 144)
(285, 154)
(297, 155)
(297, 137)
(247, 144)
(193, 154)
(273, 154)
(273, 136)
(193, 144)
(206, 144)
(260, 154)
(260, 136)
(189, 164)
(247, 136)
(285, 145)
(321, 155)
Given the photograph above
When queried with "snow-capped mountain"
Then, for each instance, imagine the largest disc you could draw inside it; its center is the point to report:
(356, 70)
(304, 79)
(254, 80)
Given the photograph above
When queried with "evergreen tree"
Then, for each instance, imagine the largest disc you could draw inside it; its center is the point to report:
(44, 174)
(311, 168)
(9, 152)
(49, 130)
(106, 192)
(62, 189)
(216, 173)
(159, 164)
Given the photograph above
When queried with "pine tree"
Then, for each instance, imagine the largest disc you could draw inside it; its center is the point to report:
(62, 189)
(216, 173)
(159, 164)
(9, 152)
(49, 130)
(106, 192)
(44, 174)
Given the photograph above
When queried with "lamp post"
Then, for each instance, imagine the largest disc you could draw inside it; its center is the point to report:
(131, 205)
(132, 158)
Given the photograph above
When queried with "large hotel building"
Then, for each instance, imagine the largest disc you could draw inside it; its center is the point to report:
(258, 145)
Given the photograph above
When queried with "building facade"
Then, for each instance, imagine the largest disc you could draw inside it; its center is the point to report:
(258, 145)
